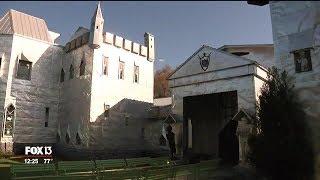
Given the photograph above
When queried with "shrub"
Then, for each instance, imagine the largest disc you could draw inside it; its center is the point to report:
(281, 146)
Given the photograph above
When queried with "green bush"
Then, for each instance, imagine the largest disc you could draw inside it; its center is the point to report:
(281, 146)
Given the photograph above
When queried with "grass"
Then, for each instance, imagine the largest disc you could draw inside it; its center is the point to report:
(5, 168)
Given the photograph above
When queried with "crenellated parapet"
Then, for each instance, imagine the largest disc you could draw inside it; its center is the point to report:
(77, 42)
(125, 44)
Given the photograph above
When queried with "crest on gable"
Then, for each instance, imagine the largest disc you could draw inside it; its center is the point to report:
(204, 60)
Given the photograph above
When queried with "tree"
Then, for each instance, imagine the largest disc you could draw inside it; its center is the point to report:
(281, 147)
(161, 86)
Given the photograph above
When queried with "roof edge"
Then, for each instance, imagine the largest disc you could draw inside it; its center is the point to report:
(203, 46)
(244, 45)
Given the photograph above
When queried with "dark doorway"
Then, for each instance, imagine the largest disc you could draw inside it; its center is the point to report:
(229, 143)
(205, 116)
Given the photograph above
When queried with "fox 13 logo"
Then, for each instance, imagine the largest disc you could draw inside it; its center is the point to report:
(38, 154)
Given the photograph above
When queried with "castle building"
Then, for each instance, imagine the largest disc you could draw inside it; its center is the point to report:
(214, 95)
(92, 93)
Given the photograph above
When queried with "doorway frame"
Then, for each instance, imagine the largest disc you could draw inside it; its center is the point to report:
(186, 115)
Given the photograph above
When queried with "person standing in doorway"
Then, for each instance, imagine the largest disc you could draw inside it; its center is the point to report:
(170, 136)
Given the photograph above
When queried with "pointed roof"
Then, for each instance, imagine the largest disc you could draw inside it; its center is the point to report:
(240, 114)
(15, 22)
(212, 49)
(98, 13)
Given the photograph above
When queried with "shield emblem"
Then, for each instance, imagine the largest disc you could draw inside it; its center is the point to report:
(204, 60)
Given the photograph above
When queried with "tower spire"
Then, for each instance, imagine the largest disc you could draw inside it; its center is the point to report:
(96, 29)
(98, 12)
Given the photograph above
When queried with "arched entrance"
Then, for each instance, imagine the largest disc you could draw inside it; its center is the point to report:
(229, 143)
(204, 117)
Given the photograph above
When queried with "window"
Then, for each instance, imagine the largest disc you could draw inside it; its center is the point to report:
(302, 60)
(136, 74)
(47, 117)
(24, 70)
(62, 75)
(71, 71)
(82, 67)
(121, 70)
(240, 53)
(105, 66)
(106, 110)
(9, 120)
(78, 139)
(67, 138)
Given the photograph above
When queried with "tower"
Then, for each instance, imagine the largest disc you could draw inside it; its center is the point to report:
(96, 28)
(149, 43)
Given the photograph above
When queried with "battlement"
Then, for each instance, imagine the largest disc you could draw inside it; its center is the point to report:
(125, 44)
(111, 39)
(77, 42)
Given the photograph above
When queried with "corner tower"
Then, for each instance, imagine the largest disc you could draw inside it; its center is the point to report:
(149, 43)
(96, 28)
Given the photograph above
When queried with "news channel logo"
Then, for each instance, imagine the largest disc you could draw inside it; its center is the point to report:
(38, 154)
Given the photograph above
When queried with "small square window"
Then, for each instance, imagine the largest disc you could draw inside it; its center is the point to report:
(302, 60)
(47, 117)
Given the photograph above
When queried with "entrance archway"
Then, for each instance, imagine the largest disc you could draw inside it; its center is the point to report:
(229, 143)
(204, 117)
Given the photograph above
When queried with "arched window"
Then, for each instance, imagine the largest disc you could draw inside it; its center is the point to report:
(78, 139)
(71, 70)
(9, 120)
(62, 75)
(82, 67)
(67, 138)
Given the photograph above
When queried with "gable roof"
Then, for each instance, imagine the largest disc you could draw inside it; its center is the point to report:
(15, 22)
(242, 113)
(211, 48)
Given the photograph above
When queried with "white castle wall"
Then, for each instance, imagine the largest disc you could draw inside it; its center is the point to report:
(300, 18)
(82, 101)
(5, 54)
(110, 89)
(75, 96)
(32, 97)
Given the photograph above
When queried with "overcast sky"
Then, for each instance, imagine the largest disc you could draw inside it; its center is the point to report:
(180, 28)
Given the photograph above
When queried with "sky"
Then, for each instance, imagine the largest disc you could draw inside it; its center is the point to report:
(180, 28)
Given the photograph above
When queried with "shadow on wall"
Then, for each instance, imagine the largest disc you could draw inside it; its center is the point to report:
(124, 130)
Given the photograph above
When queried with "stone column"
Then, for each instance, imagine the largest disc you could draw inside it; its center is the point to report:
(243, 132)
